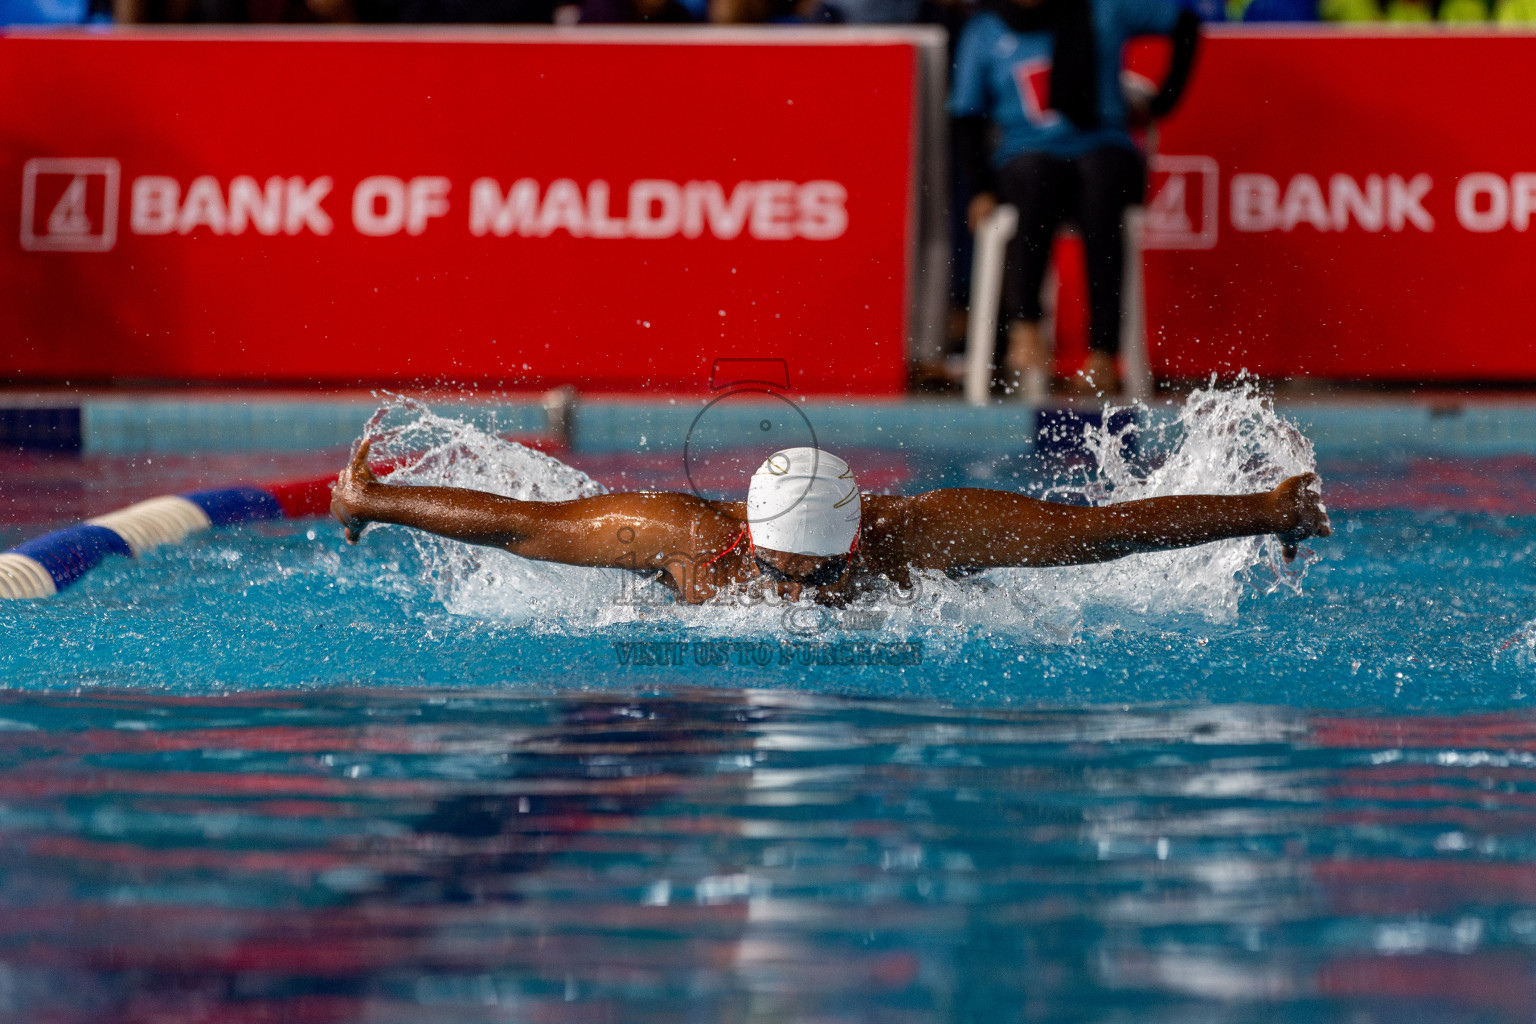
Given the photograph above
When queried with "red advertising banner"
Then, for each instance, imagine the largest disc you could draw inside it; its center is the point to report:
(508, 208)
(1349, 206)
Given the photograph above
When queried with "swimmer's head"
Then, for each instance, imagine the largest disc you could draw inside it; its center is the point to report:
(804, 501)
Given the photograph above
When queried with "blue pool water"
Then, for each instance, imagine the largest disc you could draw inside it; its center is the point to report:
(1423, 600)
(1405, 610)
(267, 776)
(400, 855)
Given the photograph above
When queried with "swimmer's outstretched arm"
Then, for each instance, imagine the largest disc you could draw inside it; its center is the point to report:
(972, 529)
(633, 531)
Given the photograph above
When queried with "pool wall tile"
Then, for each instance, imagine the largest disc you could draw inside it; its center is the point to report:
(40, 428)
(1342, 428)
(132, 427)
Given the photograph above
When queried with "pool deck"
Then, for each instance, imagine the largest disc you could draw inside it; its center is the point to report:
(1342, 424)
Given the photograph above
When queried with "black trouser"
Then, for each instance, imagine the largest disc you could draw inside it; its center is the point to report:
(1092, 191)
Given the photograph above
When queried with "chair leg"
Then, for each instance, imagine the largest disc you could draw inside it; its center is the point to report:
(1133, 312)
(992, 240)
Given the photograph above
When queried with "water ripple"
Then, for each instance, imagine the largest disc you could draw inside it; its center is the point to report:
(432, 855)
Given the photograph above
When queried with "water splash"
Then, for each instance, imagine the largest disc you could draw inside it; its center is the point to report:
(1221, 441)
(1228, 441)
(429, 449)
(1520, 649)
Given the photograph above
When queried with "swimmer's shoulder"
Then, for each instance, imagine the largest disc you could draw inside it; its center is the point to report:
(883, 521)
(675, 507)
(733, 510)
(884, 511)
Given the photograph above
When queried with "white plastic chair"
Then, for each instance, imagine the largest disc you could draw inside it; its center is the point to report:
(992, 239)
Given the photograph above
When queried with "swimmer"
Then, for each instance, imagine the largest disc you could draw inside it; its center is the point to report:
(806, 531)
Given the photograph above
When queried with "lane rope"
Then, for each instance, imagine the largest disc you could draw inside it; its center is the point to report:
(46, 565)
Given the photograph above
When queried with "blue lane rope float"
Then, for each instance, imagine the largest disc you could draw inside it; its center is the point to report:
(46, 565)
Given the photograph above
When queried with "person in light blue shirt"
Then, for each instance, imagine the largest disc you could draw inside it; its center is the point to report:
(1042, 79)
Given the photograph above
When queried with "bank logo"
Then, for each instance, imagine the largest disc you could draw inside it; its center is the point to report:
(1183, 211)
(69, 204)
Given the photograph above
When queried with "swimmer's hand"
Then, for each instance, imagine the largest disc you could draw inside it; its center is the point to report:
(1299, 512)
(349, 493)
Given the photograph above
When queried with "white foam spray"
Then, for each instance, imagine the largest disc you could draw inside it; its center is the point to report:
(1219, 441)
(1519, 650)
(430, 449)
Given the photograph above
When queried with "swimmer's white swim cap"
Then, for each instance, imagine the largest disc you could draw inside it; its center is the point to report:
(804, 501)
